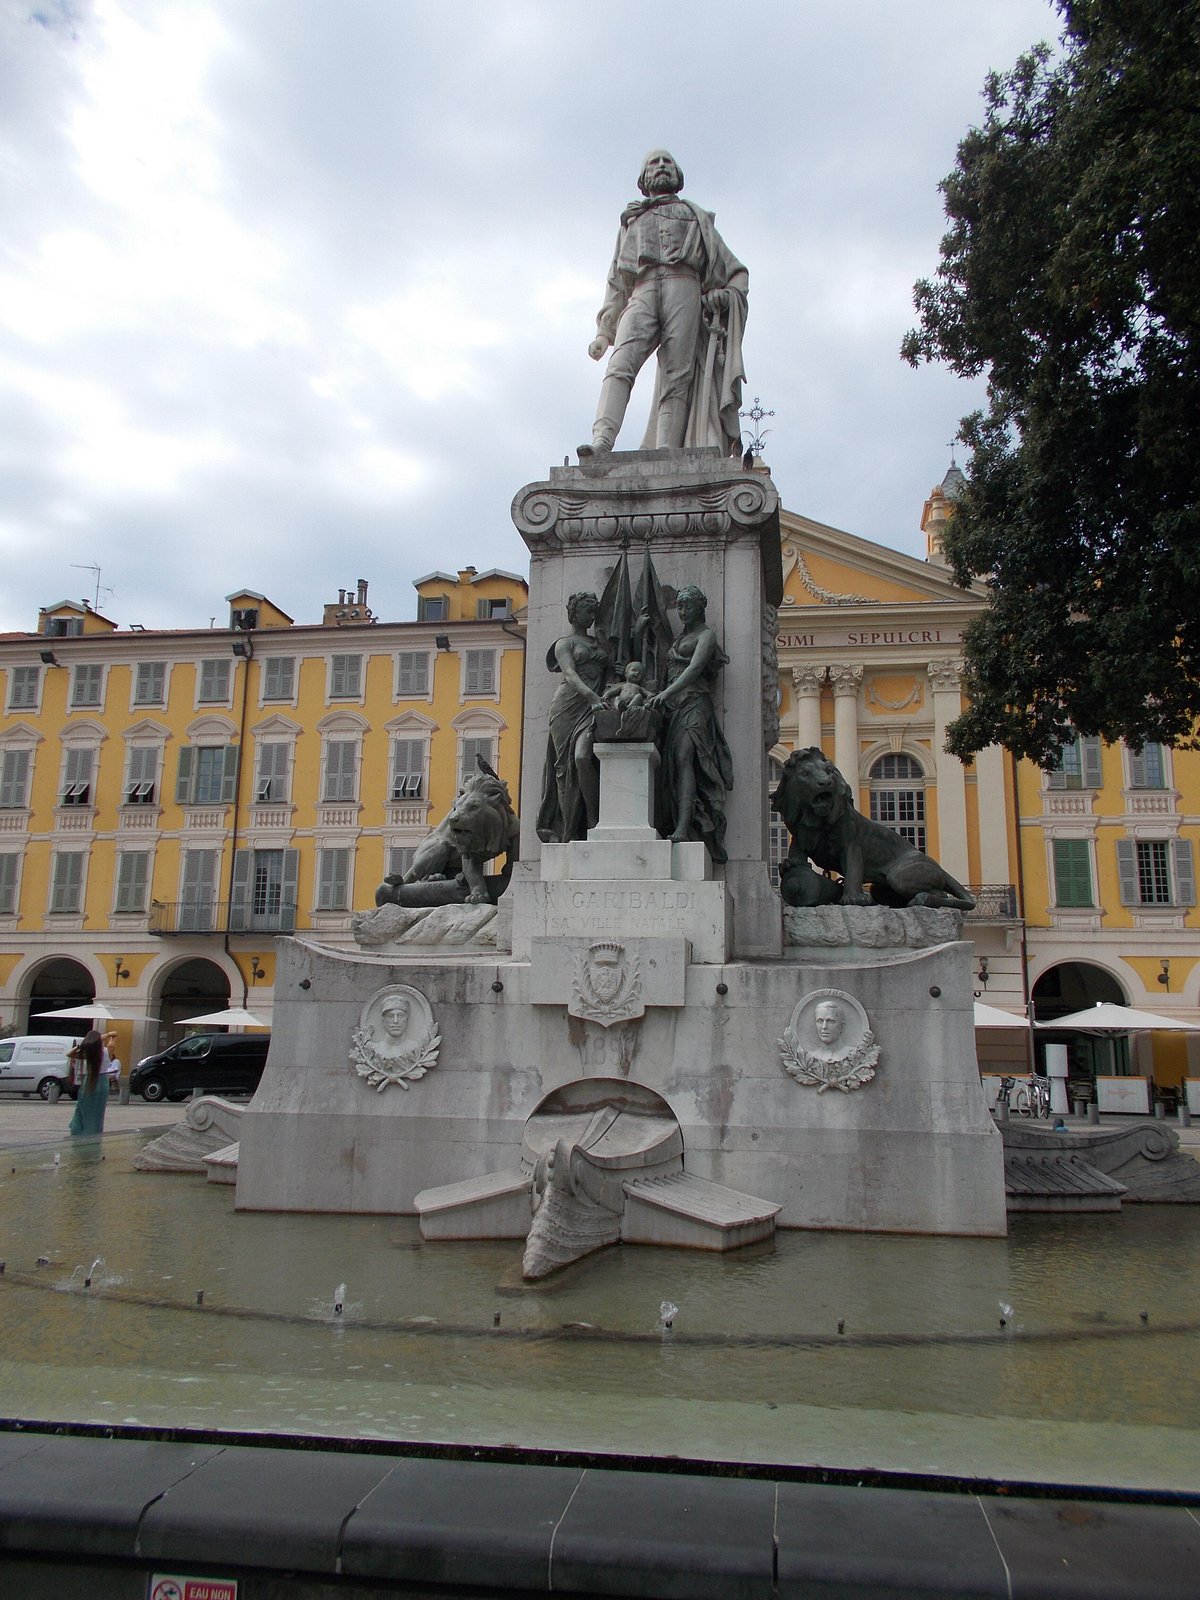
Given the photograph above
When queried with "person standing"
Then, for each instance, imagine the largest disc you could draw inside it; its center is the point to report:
(93, 1090)
(673, 287)
(112, 1067)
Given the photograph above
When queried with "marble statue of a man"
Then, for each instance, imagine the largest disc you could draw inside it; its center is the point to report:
(673, 287)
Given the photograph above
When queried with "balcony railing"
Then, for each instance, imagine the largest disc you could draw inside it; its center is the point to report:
(994, 902)
(183, 917)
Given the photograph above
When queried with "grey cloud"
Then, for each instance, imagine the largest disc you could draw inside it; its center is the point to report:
(378, 151)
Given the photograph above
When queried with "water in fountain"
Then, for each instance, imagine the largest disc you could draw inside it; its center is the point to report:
(199, 1314)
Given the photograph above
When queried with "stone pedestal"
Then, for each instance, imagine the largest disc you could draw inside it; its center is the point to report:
(705, 522)
(829, 1084)
(626, 791)
(913, 1149)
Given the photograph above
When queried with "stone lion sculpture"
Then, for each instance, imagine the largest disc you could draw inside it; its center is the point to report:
(815, 802)
(448, 865)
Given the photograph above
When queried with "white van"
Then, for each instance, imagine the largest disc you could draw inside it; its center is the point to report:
(32, 1062)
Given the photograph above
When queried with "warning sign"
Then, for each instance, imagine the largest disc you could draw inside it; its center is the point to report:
(171, 1586)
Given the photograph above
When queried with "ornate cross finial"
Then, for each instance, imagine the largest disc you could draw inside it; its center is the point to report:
(952, 445)
(756, 415)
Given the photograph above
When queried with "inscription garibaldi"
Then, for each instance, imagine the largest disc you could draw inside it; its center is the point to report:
(673, 287)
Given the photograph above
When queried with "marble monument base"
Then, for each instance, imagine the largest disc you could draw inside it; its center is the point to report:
(901, 1141)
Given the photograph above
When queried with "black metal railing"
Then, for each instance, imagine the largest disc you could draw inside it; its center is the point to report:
(994, 902)
(196, 917)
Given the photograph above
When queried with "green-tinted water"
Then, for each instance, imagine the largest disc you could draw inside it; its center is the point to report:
(1076, 1387)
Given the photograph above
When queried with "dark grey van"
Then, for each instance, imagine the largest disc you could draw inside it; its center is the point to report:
(216, 1063)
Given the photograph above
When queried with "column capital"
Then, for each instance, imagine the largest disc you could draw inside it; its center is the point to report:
(945, 677)
(808, 680)
(845, 679)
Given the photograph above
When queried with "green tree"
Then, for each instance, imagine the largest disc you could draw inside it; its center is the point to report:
(1070, 277)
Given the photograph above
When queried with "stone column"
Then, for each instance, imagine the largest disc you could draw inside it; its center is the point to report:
(808, 681)
(992, 792)
(951, 775)
(845, 680)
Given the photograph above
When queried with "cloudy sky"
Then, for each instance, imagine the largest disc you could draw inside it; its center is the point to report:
(294, 292)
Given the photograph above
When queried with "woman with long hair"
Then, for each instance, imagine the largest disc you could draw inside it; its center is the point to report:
(93, 1090)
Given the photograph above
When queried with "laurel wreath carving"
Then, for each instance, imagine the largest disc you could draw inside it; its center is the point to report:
(404, 1069)
(846, 1072)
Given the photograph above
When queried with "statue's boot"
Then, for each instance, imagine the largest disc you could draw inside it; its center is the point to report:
(610, 413)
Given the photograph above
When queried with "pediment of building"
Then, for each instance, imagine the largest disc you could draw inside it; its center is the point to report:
(827, 568)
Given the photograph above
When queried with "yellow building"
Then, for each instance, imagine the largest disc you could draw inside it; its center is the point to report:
(172, 800)
(1084, 876)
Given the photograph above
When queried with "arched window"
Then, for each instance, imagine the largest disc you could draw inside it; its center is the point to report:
(898, 797)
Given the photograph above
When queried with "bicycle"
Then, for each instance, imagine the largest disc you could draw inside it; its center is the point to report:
(1032, 1099)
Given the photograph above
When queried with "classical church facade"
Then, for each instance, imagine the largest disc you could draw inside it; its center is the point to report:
(1083, 876)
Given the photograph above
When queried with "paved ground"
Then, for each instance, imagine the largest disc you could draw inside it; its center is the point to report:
(33, 1121)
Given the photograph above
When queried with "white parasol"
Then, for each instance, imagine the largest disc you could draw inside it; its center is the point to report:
(81, 1013)
(993, 1017)
(234, 1017)
(1105, 1017)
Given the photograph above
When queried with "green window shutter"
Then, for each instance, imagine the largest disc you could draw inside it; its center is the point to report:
(229, 773)
(408, 769)
(287, 902)
(1072, 873)
(150, 683)
(278, 677)
(412, 673)
(1147, 769)
(77, 778)
(141, 775)
(1127, 872)
(471, 748)
(239, 901)
(341, 759)
(1093, 776)
(1185, 875)
(272, 780)
(14, 779)
(480, 673)
(185, 776)
(345, 677)
(23, 685)
(8, 882)
(333, 888)
(132, 877)
(66, 894)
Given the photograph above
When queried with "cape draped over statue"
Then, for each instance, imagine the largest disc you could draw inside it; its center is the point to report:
(716, 392)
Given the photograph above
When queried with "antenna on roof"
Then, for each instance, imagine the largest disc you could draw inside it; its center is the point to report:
(83, 566)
